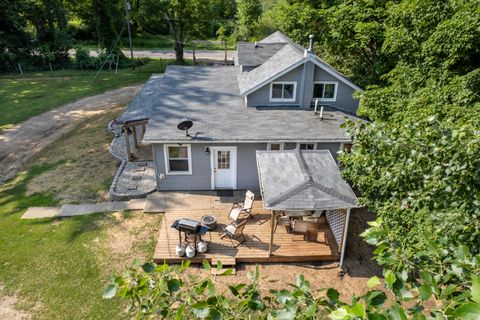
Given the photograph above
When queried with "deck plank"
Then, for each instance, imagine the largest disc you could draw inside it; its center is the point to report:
(254, 249)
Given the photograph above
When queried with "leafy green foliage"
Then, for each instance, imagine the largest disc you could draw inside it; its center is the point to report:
(248, 13)
(165, 291)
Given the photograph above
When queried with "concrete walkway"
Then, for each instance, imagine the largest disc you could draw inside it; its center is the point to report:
(70, 210)
(154, 203)
(19, 143)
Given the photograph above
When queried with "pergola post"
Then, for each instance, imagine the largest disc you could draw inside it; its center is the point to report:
(272, 230)
(344, 239)
(127, 143)
(135, 141)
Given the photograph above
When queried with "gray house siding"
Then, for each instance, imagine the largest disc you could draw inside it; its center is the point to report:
(261, 97)
(344, 99)
(200, 179)
(332, 147)
(308, 84)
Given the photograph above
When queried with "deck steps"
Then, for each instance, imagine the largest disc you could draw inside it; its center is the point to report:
(225, 261)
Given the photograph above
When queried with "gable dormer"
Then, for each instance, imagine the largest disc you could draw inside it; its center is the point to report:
(293, 76)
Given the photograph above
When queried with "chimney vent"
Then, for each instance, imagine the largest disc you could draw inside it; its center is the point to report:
(310, 46)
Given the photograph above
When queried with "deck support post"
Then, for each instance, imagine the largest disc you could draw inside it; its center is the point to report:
(272, 230)
(134, 132)
(127, 143)
(344, 239)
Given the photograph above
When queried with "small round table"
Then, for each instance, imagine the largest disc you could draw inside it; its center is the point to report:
(209, 221)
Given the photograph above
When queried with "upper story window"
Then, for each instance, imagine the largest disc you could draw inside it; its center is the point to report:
(283, 91)
(325, 90)
(178, 159)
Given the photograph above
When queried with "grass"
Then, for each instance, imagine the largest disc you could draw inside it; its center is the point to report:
(84, 168)
(57, 268)
(35, 93)
(158, 42)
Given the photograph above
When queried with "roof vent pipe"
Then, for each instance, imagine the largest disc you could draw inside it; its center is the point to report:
(310, 46)
(256, 44)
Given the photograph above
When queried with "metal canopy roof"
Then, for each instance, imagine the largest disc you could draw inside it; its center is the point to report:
(302, 180)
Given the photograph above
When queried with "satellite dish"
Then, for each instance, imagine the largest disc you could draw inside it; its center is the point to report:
(185, 124)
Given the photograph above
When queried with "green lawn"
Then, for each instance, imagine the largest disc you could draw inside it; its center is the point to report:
(34, 93)
(57, 268)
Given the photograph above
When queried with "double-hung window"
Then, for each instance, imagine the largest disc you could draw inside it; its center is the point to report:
(325, 90)
(284, 91)
(178, 159)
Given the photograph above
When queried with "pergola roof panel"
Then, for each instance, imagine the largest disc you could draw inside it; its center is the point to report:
(302, 180)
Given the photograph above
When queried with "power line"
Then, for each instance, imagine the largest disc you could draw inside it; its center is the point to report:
(108, 57)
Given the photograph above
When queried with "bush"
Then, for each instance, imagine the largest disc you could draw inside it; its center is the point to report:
(162, 291)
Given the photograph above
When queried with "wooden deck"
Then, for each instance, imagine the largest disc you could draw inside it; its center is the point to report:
(257, 233)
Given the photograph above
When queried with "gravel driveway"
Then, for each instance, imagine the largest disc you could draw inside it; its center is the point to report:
(19, 143)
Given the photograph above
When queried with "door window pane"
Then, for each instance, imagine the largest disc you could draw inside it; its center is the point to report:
(223, 159)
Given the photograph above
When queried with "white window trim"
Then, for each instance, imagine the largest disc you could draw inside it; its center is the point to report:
(282, 145)
(315, 144)
(334, 91)
(167, 164)
(281, 99)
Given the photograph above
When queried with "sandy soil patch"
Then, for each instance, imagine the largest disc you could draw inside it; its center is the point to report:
(8, 308)
(82, 166)
(130, 235)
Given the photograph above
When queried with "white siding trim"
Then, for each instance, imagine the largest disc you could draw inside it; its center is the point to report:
(167, 164)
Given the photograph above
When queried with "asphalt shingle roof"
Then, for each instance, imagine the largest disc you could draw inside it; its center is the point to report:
(210, 97)
(302, 180)
(276, 37)
(249, 54)
(283, 59)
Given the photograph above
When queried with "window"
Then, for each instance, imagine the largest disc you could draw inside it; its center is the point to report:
(325, 90)
(223, 159)
(283, 91)
(306, 146)
(178, 159)
(275, 146)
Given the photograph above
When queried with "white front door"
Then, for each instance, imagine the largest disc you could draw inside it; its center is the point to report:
(224, 167)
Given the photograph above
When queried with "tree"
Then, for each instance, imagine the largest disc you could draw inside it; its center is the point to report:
(248, 13)
(185, 18)
(15, 41)
(106, 16)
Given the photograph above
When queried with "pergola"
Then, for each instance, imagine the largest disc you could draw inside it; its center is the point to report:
(303, 182)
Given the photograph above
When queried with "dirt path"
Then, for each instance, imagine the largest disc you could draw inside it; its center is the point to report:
(19, 143)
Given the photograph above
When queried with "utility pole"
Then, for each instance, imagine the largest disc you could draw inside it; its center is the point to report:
(127, 8)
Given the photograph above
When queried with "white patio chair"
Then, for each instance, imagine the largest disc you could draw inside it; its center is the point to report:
(235, 231)
(242, 209)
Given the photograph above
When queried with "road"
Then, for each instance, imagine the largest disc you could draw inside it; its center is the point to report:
(215, 55)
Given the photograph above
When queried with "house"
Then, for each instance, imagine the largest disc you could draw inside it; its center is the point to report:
(277, 96)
